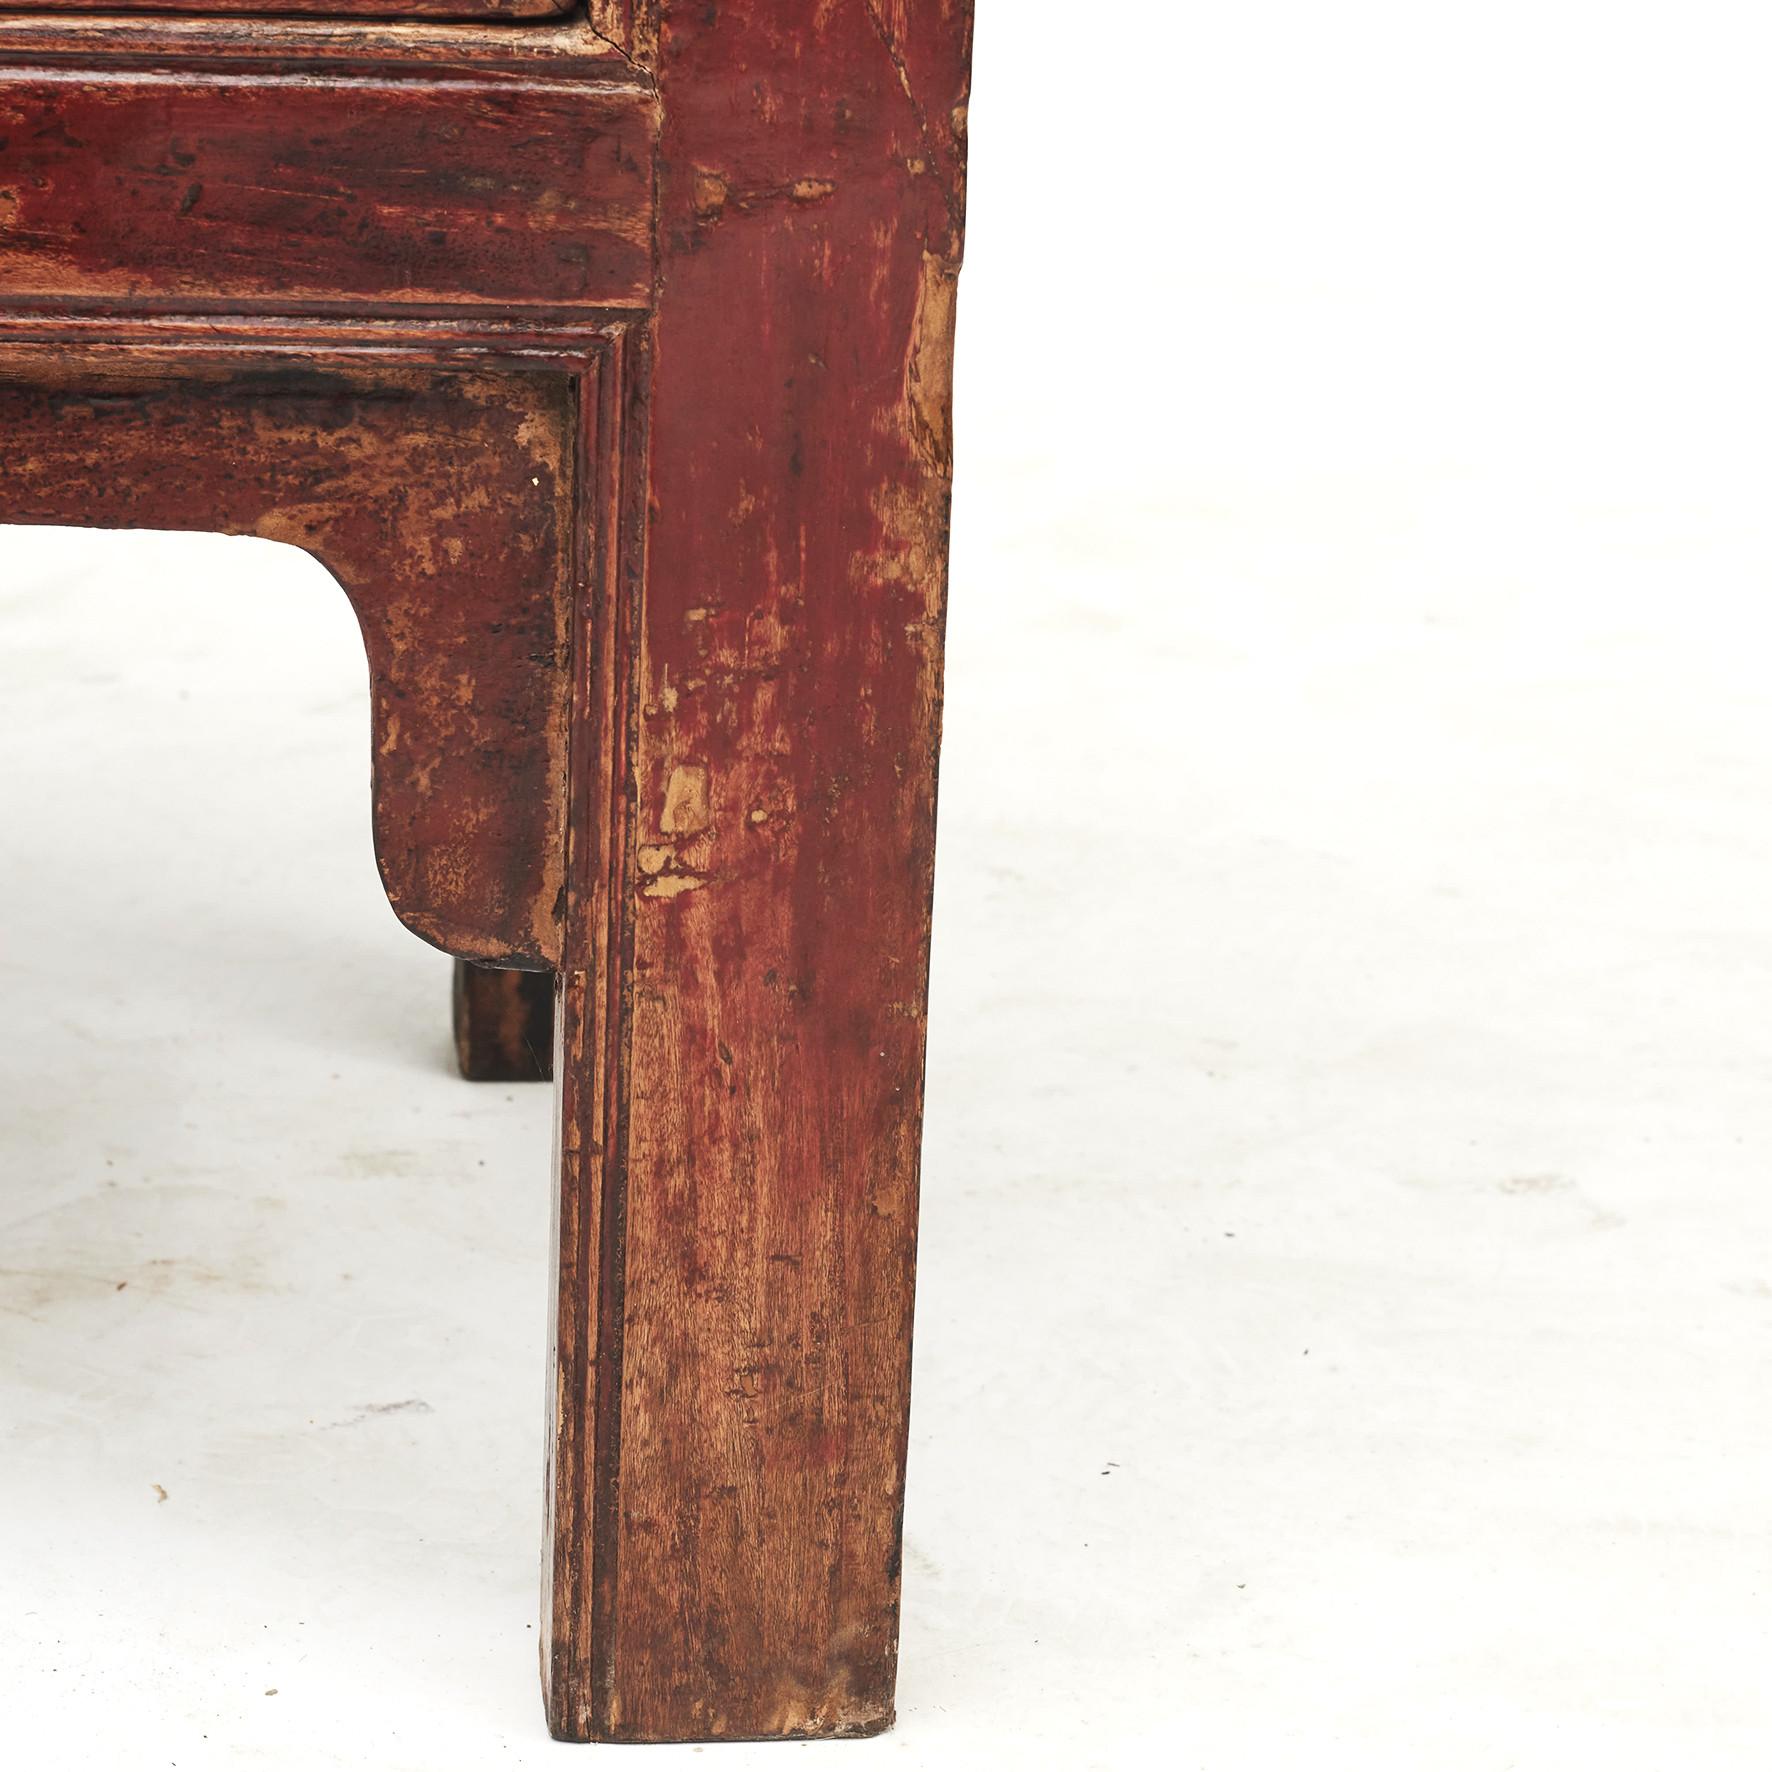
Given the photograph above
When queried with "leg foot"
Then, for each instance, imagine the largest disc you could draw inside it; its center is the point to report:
(504, 1024)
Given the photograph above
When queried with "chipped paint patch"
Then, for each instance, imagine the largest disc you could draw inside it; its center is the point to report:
(710, 195)
(929, 365)
(672, 885)
(686, 801)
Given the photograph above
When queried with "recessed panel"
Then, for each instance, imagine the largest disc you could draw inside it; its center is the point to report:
(296, 194)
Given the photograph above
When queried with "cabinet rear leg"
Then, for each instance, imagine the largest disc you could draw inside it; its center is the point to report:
(504, 1024)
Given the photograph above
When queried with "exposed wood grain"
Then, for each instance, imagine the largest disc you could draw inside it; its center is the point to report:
(613, 20)
(504, 1024)
(174, 341)
(429, 9)
(733, 1407)
(442, 503)
(298, 194)
(571, 47)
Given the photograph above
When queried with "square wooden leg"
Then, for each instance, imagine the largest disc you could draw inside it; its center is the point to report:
(504, 1024)
(751, 851)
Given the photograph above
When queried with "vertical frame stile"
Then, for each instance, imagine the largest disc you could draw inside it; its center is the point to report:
(625, 461)
(593, 1016)
(568, 1541)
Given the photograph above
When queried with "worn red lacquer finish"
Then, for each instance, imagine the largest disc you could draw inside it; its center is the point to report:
(607, 364)
(788, 707)
(262, 188)
(441, 504)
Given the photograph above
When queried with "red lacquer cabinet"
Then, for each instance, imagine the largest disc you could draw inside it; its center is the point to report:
(604, 359)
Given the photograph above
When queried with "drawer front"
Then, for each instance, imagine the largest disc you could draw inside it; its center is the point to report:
(295, 195)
